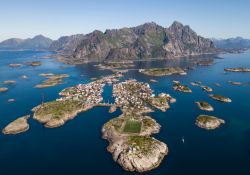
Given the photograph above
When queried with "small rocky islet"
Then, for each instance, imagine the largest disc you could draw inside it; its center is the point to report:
(239, 69)
(115, 66)
(153, 81)
(9, 82)
(52, 80)
(34, 63)
(195, 83)
(14, 65)
(208, 122)
(220, 98)
(177, 86)
(236, 83)
(206, 89)
(17, 126)
(204, 106)
(3, 89)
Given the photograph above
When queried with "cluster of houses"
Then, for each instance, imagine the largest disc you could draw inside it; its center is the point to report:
(90, 93)
(131, 93)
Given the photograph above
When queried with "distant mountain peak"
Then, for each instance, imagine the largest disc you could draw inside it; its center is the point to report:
(232, 43)
(39, 36)
(36, 43)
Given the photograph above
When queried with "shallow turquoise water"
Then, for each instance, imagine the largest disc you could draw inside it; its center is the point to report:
(78, 147)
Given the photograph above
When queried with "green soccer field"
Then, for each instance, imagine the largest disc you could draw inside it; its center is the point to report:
(132, 126)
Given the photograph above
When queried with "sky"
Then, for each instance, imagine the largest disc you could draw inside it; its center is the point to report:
(55, 18)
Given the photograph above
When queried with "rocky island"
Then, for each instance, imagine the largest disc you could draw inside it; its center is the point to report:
(3, 89)
(220, 98)
(52, 80)
(34, 63)
(153, 81)
(131, 145)
(163, 71)
(206, 88)
(13, 65)
(204, 106)
(196, 83)
(236, 83)
(17, 126)
(9, 82)
(208, 122)
(115, 66)
(240, 69)
(182, 88)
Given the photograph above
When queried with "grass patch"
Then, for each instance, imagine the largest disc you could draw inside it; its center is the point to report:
(143, 144)
(132, 126)
(57, 109)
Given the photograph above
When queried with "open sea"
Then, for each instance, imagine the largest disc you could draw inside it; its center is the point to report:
(77, 146)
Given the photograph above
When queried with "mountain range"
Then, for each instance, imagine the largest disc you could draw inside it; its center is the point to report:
(38, 42)
(145, 41)
(232, 43)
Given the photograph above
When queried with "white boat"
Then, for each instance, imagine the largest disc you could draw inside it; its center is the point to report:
(183, 140)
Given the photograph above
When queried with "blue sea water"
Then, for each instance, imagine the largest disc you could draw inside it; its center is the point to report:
(77, 147)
